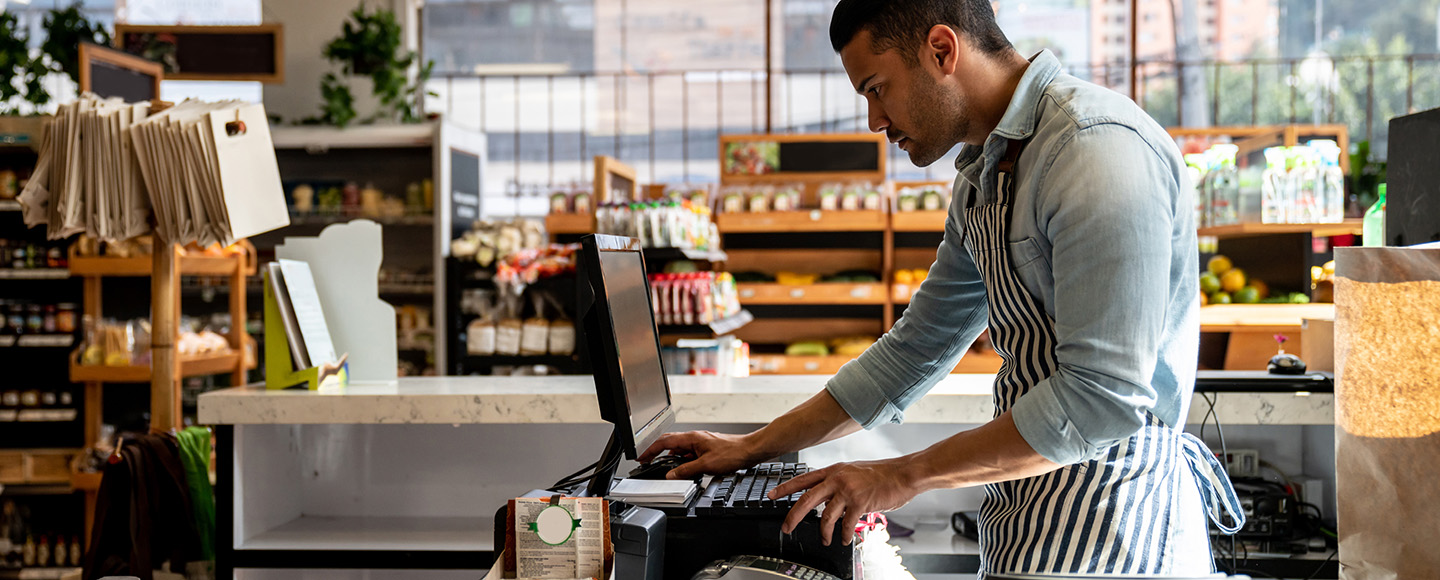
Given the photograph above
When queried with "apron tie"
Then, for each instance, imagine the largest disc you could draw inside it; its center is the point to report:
(1215, 489)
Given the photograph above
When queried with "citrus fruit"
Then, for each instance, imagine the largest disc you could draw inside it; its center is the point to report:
(1220, 298)
(1219, 265)
(1204, 299)
(1209, 283)
(1298, 298)
(1247, 295)
(1262, 288)
(1233, 280)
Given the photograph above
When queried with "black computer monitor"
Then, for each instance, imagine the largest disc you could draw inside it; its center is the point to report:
(618, 323)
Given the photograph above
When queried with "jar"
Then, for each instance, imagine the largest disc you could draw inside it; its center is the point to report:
(65, 318)
(16, 318)
(54, 258)
(34, 319)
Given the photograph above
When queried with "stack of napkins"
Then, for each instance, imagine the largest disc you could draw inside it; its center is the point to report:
(86, 180)
(654, 492)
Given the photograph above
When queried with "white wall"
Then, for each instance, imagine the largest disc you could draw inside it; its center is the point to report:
(309, 26)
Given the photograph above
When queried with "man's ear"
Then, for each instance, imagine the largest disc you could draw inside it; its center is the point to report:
(942, 46)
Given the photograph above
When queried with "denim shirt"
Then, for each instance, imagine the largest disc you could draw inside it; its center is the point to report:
(1102, 235)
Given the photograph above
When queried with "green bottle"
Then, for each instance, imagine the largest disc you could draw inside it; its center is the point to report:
(1374, 224)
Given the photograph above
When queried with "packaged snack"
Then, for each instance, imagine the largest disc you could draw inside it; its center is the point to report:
(758, 201)
(830, 196)
(480, 333)
(932, 199)
(559, 202)
(907, 200)
(535, 334)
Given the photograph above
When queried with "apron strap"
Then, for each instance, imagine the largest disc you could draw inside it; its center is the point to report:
(1215, 490)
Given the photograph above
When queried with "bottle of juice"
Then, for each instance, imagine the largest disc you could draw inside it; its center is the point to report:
(1224, 186)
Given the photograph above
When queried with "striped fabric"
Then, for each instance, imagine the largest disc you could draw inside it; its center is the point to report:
(1130, 511)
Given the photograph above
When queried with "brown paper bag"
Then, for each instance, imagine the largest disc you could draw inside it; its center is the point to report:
(1387, 393)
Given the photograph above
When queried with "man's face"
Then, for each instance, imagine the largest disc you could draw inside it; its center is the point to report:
(906, 102)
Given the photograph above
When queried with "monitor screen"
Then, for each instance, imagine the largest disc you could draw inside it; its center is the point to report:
(628, 292)
(624, 349)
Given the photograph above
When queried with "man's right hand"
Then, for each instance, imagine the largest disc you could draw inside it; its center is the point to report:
(714, 453)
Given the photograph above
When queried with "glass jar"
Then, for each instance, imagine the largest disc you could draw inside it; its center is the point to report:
(65, 318)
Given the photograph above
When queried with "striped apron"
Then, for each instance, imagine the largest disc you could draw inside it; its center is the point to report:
(1139, 509)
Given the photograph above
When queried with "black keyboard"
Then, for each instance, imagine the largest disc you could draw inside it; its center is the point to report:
(746, 493)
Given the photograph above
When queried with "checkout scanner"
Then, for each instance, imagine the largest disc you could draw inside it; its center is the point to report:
(724, 537)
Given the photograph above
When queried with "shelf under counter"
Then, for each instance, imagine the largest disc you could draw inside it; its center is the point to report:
(377, 533)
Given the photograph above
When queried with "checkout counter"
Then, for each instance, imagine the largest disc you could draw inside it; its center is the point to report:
(406, 476)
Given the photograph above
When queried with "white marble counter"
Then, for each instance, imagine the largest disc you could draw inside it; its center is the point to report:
(961, 399)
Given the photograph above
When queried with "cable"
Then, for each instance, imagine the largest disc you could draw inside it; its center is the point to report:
(1224, 453)
(1332, 555)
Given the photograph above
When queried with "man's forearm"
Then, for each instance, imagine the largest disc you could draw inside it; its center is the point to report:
(813, 422)
(990, 453)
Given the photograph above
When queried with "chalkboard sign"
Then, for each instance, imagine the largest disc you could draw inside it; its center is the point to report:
(748, 158)
(111, 73)
(209, 53)
(826, 156)
(464, 192)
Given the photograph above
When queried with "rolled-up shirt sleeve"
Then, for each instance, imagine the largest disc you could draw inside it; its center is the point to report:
(945, 316)
(1108, 206)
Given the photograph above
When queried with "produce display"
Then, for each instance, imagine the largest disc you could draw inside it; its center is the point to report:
(752, 158)
(845, 346)
(927, 198)
(349, 199)
(831, 197)
(670, 223)
(693, 297)
(1223, 283)
(486, 240)
(806, 279)
(1298, 185)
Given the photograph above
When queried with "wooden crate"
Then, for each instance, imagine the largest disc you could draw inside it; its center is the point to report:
(48, 466)
(12, 467)
(814, 220)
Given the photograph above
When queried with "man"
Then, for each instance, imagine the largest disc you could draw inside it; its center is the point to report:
(1072, 237)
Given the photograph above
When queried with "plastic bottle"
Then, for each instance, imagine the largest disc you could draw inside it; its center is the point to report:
(1307, 180)
(1195, 166)
(1374, 225)
(1330, 181)
(1225, 186)
(1272, 187)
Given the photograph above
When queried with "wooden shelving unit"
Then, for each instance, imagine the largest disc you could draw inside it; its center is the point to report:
(165, 267)
(814, 220)
(1349, 226)
(918, 221)
(822, 293)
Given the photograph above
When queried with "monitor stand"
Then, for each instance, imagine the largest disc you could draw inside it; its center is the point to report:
(599, 485)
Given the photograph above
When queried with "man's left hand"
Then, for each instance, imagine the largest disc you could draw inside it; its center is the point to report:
(849, 491)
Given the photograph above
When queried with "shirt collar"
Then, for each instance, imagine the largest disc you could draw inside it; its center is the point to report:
(1019, 119)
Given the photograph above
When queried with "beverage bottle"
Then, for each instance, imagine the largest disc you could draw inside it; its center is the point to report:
(1272, 187)
(1329, 181)
(1195, 167)
(1225, 186)
(1373, 227)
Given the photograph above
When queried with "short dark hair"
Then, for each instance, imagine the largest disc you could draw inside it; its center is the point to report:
(904, 24)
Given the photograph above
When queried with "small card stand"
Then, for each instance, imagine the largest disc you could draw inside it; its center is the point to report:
(280, 370)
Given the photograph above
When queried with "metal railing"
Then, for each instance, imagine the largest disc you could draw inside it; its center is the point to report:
(544, 129)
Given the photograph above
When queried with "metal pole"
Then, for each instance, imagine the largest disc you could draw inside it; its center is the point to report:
(615, 98)
(1179, 92)
(769, 62)
(1409, 83)
(651, 77)
(517, 141)
(550, 134)
(1369, 99)
(1215, 97)
(685, 123)
(823, 76)
(1254, 93)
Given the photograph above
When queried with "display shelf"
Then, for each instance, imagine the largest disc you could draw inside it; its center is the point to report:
(814, 220)
(35, 274)
(85, 481)
(189, 367)
(38, 341)
(570, 223)
(778, 364)
(1261, 317)
(407, 289)
(1349, 226)
(918, 221)
(561, 362)
(9, 205)
(426, 220)
(47, 573)
(36, 466)
(654, 255)
(718, 328)
(822, 293)
(357, 137)
(373, 533)
(142, 266)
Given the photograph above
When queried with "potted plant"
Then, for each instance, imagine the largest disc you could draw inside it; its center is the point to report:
(65, 29)
(369, 46)
(16, 64)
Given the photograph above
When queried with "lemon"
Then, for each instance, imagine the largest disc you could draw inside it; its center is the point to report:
(904, 277)
(1219, 265)
(1209, 283)
(1220, 298)
(1247, 295)
(1233, 280)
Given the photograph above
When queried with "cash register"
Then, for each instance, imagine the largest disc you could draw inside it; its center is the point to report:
(733, 516)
